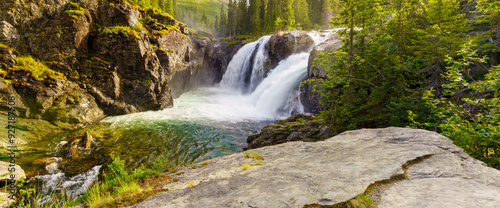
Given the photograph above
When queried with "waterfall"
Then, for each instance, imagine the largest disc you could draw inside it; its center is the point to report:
(276, 94)
(240, 74)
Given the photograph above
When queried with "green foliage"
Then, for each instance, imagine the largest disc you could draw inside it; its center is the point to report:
(38, 70)
(490, 40)
(471, 120)
(361, 201)
(390, 48)
(119, 182)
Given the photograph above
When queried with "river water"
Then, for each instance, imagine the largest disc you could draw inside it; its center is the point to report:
(205, 123)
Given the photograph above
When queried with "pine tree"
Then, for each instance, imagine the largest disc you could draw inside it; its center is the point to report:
(489, 41)
(169, 7)
(288, 15)
(301, 14)
(222, 24)
(174, 7)
(242, 18)
(231, 16)
(254, 16)
(326, 12)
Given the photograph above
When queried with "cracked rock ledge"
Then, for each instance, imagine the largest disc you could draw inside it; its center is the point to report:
(394, 167)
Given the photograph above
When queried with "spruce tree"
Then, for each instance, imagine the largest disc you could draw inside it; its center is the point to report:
(169, 7)
(254, 16)
(222, 22)
(242, 18)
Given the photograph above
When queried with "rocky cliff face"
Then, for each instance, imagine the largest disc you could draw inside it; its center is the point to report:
(392, 167)
(113, 58)
(316, 71)
(283, 44)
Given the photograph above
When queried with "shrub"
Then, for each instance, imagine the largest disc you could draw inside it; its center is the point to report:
(469, 111)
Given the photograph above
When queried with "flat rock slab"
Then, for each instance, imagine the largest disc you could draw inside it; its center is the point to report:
(407, 167)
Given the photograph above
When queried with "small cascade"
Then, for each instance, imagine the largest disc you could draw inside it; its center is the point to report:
(259, 64)
(71, 187)
(273, 95)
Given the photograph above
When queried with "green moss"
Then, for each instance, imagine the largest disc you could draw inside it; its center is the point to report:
(128, 32)
(76, 11)
(167, 30)
(158, 12)
(233, 43)
(2, 46)
(192, 31)
(250, 154)
(3, 73)
(97, 60)
(38, 70)
(361, 201)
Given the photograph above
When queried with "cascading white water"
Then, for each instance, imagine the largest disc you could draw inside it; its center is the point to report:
(271, 96)
(259, 64)
(71, 187)
(239, 71)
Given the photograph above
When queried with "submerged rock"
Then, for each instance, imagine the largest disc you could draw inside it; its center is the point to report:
(393, 167)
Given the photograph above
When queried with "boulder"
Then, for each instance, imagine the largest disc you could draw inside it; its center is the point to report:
(283, 44)
(392, 167)
(310, 99)
(6, 201)
(60, 102)
(4, 169)
(299, 127)
(8, 34)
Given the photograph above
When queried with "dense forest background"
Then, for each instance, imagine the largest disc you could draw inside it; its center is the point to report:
(252, 17)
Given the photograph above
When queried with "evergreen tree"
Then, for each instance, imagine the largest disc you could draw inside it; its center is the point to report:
(254, 16)
(242, 18)
(301, 14)
(263, 14)
(222, 23)
(489, 41)
(169, 7)
(231, 16)
(288, 15)
(174, 7)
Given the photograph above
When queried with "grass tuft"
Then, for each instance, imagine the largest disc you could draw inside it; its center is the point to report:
(246, 166)
(250, 154)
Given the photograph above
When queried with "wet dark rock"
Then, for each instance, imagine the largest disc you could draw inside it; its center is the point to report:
(299, 127)
(310, 100)
(283, 44)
